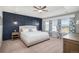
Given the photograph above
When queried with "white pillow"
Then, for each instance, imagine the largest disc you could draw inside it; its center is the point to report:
(34, 30)
(25, 30)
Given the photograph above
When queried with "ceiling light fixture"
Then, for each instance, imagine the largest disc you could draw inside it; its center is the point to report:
(40, 9)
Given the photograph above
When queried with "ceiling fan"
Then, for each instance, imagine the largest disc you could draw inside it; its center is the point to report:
(40, 8)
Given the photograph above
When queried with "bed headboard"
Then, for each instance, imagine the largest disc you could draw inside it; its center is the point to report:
(27, 27)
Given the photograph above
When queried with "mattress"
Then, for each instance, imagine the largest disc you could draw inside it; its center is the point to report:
(31, 38)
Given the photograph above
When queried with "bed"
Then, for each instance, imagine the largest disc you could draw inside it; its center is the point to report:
(30, 35)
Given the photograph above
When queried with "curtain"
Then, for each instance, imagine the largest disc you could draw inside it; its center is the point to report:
(43, 25)
(72, 26)
(50, 27)
(59, 28)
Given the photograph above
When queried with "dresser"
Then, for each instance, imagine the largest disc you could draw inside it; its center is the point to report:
(71, 43)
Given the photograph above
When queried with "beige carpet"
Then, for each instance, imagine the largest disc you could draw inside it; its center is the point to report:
(17, 46)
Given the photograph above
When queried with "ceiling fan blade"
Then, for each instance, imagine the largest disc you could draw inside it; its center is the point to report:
(39, 7)
(43, 7)
(36, 7)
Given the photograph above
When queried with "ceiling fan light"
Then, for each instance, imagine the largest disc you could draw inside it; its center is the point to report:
(40, 11)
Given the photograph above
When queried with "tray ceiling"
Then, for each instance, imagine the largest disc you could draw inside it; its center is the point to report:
(29, 10)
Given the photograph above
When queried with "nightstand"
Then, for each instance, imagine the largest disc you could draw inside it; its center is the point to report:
(15, 35)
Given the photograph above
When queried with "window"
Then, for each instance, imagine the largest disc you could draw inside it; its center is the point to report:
(65, 25)
(46, 25)
(54, 25)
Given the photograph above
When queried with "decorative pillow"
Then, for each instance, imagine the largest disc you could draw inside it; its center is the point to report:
(30, 30)
(25, 30)
(34, 30)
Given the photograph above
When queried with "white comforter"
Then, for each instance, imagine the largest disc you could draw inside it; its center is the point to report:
(30, 38)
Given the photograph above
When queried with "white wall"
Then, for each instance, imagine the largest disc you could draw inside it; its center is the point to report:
(0, 28)
(77, 25)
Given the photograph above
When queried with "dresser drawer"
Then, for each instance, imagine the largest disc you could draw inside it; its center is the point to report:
(71, 46)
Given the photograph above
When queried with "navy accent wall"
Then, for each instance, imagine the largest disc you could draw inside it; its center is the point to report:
(9, 27)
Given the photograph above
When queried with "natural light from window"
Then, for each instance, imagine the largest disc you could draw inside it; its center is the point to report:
(54, 25)
(46, 25)
(65, 25)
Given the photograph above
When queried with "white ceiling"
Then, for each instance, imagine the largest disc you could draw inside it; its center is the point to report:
(29, 10)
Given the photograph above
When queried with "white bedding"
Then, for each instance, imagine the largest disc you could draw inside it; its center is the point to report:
(30, 38)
